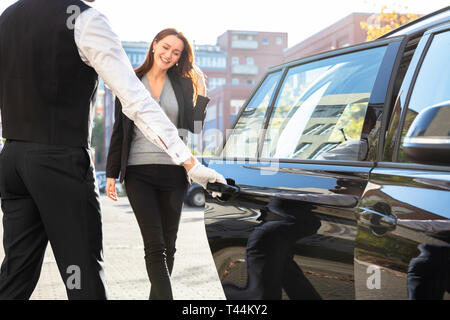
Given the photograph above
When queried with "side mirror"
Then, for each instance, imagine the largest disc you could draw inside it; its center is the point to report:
(428, 139)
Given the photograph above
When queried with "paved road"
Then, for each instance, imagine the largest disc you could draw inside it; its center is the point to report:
(194, 276)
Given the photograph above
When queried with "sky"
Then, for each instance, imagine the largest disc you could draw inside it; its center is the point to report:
(202, 21)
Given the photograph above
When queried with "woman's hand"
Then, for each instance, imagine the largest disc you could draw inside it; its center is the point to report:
(201, 84)
(111, 188)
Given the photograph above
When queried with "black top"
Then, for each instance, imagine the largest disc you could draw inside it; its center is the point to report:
(122, 135)
(46, 90)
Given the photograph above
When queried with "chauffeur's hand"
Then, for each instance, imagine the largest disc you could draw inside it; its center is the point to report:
(111, 188)
(203, 175)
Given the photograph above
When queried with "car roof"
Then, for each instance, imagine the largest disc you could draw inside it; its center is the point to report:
(421, 24)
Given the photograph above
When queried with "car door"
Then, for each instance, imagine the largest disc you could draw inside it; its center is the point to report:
(309, 134)
(404, 209)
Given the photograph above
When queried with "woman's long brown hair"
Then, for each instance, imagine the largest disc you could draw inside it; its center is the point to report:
(184, 68)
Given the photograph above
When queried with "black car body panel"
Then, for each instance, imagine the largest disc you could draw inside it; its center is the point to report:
(418, 201)
(342, 163)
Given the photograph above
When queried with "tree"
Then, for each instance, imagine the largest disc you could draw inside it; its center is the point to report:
(385, 22)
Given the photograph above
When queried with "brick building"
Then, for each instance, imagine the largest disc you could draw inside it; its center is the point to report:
(343, 33)
(233, 67)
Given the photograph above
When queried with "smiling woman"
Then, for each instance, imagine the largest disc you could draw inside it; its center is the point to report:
(170, 48)
(155, 185)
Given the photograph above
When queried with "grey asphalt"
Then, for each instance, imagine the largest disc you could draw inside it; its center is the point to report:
(194, 275)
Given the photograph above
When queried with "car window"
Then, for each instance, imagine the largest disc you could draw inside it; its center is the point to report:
(432, 85)
(320, 111)
(243, 140)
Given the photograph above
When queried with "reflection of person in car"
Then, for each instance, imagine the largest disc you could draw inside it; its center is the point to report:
(269, 257)
(429, 272)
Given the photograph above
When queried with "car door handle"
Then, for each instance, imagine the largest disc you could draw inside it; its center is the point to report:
(379, 222)
(227, 190)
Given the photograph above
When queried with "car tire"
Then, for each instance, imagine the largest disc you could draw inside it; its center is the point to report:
(231, 266)
(197, 198)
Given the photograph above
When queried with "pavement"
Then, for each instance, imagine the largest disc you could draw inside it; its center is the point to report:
(194, 276)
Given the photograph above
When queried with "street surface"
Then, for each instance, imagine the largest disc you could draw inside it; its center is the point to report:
(194, 276)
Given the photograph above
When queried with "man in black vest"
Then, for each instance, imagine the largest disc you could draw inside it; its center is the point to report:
(50, 54)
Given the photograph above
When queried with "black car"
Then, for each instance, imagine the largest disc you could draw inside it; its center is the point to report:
(341, 167)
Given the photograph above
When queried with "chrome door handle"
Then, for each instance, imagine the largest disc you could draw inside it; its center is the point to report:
(379, 223)
(383, 219)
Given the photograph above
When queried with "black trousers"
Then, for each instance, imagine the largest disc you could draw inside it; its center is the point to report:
(49, 195)
(156, 193)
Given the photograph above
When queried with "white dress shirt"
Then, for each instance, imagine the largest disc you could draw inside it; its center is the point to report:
(100, 48)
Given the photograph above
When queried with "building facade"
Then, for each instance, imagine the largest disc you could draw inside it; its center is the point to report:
(213, 62)
(343, 33)
(233, 67)
(136, 51)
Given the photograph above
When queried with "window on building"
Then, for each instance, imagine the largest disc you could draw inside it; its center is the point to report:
(250, 61)
(234, 60)
(215, 82)
(265, 41)
(279, 41)
(235, 81)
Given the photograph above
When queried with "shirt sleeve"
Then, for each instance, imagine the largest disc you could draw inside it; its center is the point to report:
(100, 48)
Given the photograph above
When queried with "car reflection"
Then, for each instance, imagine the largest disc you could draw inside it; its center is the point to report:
(269, 256)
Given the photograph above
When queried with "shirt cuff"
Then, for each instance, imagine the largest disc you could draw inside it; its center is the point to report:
(179, 152)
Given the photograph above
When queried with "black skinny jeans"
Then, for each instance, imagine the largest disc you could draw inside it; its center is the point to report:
(156, 193)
